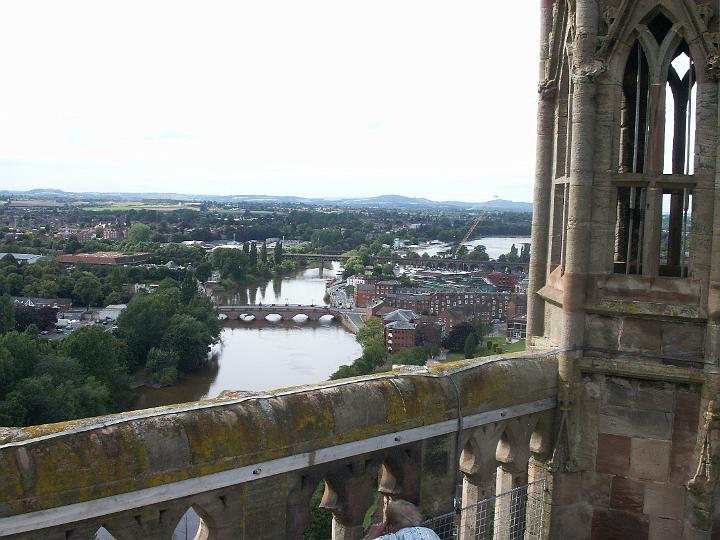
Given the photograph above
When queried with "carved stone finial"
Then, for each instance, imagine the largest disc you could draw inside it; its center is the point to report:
(609, 15)
(712, 67)
(547, 89)
(589, 71)
(705, 475)
(706, 12)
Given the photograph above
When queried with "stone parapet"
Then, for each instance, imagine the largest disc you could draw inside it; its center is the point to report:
(408, 425)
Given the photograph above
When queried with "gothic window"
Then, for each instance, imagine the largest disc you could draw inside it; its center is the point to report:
(658, 102)
(629, 225)
(675, 234)
(559, 226)
(563, 122)
(680, 111)
(634, 112)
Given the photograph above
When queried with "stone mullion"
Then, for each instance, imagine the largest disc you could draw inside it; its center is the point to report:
(543, 186)
(349, 492)
(477, 516)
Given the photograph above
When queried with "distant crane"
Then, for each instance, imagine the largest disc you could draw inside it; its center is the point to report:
(469, 232)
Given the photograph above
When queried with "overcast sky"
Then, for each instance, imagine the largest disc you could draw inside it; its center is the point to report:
(312, 98)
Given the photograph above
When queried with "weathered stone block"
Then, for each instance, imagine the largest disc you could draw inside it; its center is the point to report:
(627, 494)
(682, 456)
(640, 335)
(665, 529)
(656, 396)
(650, 459)
(596, 488)
(567, 488)
(687, 411)
(635, 423)
(602, 331)
(609, 524)
(577, 518)
(613, 454)
(664, 500)
(620, 392)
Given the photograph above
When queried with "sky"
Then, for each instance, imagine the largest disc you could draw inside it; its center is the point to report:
(312, 98)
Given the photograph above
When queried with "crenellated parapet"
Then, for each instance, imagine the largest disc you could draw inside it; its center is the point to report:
(240, 458)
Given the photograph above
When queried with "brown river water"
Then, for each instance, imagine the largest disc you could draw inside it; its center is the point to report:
(261, 355)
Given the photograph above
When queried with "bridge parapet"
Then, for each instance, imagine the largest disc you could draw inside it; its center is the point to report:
(285, 311)
(249, 464)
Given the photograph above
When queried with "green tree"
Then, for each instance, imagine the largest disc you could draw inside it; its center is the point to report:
(203, 271)
(113, 298)
(470, 346)
(455, 340)
(188, 287)
(72, 244)
(102, 356)
(278, 253)
(189, 339)
(142, 325)
(87, 289)
(139, 232)
(232, 263)
(263, 253)
(162, 366)
(7, 314)
(253, 255)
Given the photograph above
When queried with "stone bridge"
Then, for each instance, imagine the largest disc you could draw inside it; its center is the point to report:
(248, 465)
(452, 264)
(285, 311)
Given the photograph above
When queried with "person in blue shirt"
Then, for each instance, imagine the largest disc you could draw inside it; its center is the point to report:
(402, 522)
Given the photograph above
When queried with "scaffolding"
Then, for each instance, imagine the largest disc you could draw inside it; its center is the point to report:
(518, 514)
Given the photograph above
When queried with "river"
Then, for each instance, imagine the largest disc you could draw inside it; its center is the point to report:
(494, 245)
(262, 356)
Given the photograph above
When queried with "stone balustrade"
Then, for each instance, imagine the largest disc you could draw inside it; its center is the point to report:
(248, 464)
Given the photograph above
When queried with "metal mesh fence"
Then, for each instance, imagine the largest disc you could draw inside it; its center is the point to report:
(518, 514)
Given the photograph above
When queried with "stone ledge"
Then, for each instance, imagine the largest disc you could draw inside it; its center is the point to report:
(56, 465)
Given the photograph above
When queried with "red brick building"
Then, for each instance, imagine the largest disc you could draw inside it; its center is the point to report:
(517, 305)
(364, 294)
(450, 318)
(399, 335)
(502, 281)
(384, 288)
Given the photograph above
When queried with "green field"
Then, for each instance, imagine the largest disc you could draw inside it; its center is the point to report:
(506, 348)
(124, 206)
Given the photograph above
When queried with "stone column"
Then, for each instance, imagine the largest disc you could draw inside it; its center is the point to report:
(581, 180)
(510, 505)
(348, 494)
(477, 517)
(651, 232)
(543, 177)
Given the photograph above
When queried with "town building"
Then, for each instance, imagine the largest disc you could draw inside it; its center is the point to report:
(516, 306)
(399, 335)
(384, 288)
(504, 282)
(355, 280)
(23, 258)
(61, 305)
(405, 315)
(516, 327)
(363, 294)
(452, 317)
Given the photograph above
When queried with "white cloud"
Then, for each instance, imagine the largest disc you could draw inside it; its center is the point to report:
(308, 98)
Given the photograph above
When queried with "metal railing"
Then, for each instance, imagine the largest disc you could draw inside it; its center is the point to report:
(518, 514)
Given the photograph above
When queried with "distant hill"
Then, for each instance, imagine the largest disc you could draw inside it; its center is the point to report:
(382, 201)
